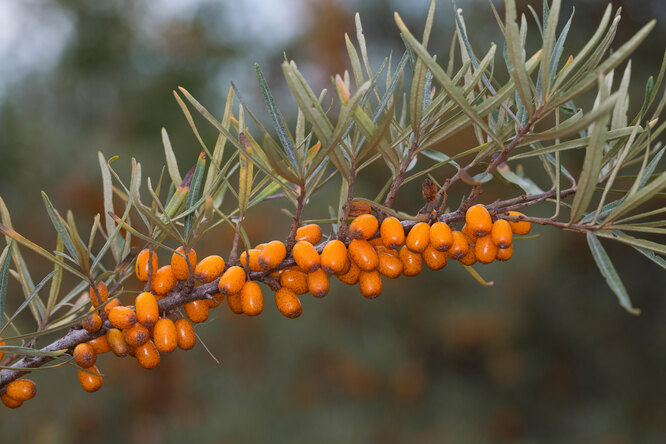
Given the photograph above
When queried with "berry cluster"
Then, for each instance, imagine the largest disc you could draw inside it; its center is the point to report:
(373, 249)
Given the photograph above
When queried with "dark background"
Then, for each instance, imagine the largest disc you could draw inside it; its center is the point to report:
(544, 355)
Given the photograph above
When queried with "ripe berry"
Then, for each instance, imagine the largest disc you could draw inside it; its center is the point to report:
(110, 305)
(478, 220)
(100, 345)
(363, 254)
(217, 300)
(21, 389)
(2, 354)
(306, 256)
(501, 233)
(318, 283)
(459, 246)
(163, 280)
(90, 379)
(232, 280)
(252, 300)
(136, 335)
(147, 310)
(254, 259)
(434, 259)
(370, 284)
(235, 303)
(520, 228)
(351, 276)
(186, 337)
(209, 269)
(272, 255)
(389, 265)
(142, 264)
(147, 355)
(411, 262)
(504, 254)
(102, 291)
(84, 355)
(363, 227)
(469, 258)
(334, 257)
(295, 280)
(122, 317)
(288, 303)
(309, 233)
(92, 323)
(197, 310)
(165, 336)
(10, 402)
(485, 250)
(441, 236)
(178, 264)
(392, 233)
(469, 237)
(418, 237)
(116, 342)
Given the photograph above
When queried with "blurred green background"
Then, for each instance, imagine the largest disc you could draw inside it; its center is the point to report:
(544, 355)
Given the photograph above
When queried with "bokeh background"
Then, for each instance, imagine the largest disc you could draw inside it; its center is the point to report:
(544, 355)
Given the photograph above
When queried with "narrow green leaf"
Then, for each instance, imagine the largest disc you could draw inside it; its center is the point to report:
(82, 252)
(195, 190)
(653, 257)
(54, 290)
(107, 187)
(59, 225)
(516, 55)
(475, 274)
(548, 45)
(28, 300)
(5, 260)
(641, 196)
(172, 163)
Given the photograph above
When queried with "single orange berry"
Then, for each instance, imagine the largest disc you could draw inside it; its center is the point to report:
(10, 402)
(142, 264)
(254, 259)
(520, 228)
(216, 300)
(459, 247)
(376, 242)
(115, 302)
(501, 233)
(84, 355)
(469, 258)
(21, 389)
(351, 276)
(136, 335)
(90, 379)
(147, 310)
(485, 249)
(389, 265)
(412, 262)
(309, 233)
(99, 297)
(165, 335)
(418, 237)
(295, 280)
(318, 283)
(306, 256)
(363, 254)
(147, 355)
(100, 345)
(92, 323)
(272, 255)
(235, 303)
(370, 284)
(334, 257)
(478, 220)
(178, 264)
(358, 208)
(392, 233)
(186, 337)
(209, 269)
(434, 259)
(504, 254)
(232, 280)
(197, 310)
(163, 280)
(363, 227)
(441, 236)
(288, 303)
(469, 237)
(122, 317)
(2, 354)
(252, 300)
(117, 342)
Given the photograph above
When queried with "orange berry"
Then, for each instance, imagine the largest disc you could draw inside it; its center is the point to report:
(504, 254)
(334, 257)
(363, 227)
(90, 379)
(122, 317)
(318, 283)
(165, 336)
(295, 280)
(232, 280)
(136, 335)
(370, 284)
(100, 345)
(392, 233)
(272, 255)
(418, 237)
(102, 291)
(10, 402)
(459, 246)
(501, 233)
(441, 236)
(389, 265)
(209, 269)
(288, 303)
(252, 300)
(163, 280)
(306, 256)
(117, 342)
(84, 355)
(358, 208)
(142, 264)
(469, 258)
(186, 337)
(254, 259)
(351, 276)
(434, 259)
(110, 305)
(412, 262)
(178, 264)
(92, 323)
(309, 233)
(485, 249)
(197, 310)
(147, 355)
(147, 310)
(2, 354)
(520, 228)
(235, 303)
(376, 242)
(21, 389)
(478, 220)
(363, 254)
(217, 300)
(469, 237)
